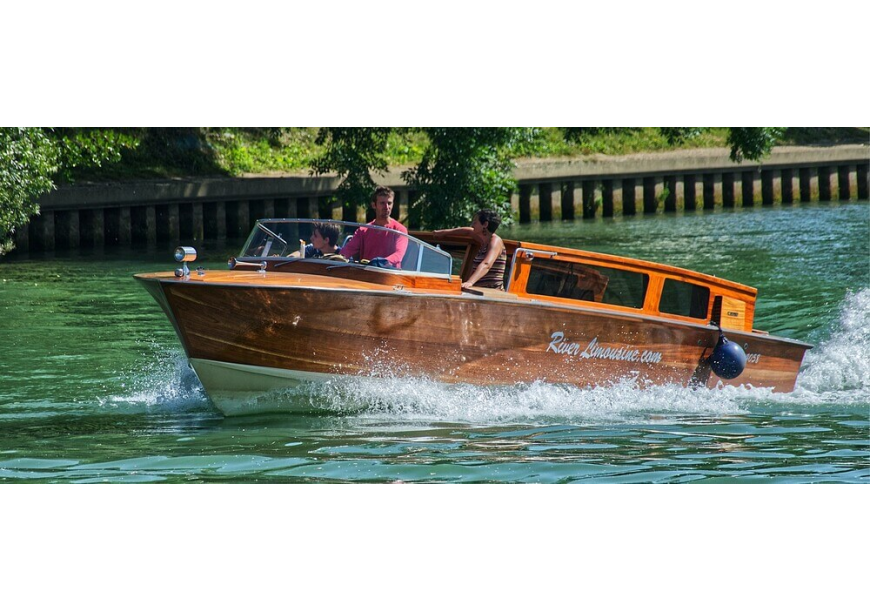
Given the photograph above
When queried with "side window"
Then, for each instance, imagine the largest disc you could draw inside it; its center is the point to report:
(587, 283)
(684, 299)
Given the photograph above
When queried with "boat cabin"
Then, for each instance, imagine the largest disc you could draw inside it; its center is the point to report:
(535, 272)
(579, 278)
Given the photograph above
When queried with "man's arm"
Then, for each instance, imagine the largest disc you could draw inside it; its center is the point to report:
(401, 245)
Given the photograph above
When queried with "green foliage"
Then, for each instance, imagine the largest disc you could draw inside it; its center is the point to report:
(28, 159)
(663, 197)
(679, 135)
(454, 171)
(460, 170)
(574, 141)
(239, 151)
(463, 170)
(89, 148)
(745, 142)
(353, 152)
(825, 136)
(753, 143)
(406, 146)
(31, 158)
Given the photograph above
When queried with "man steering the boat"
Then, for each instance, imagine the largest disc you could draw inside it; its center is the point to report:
(379, 248)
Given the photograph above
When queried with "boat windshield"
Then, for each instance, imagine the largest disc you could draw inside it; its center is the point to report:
(286, 238)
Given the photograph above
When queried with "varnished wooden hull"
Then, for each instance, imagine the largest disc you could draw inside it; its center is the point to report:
(245, 338)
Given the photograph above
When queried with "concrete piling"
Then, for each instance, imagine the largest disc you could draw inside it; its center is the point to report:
(728, 190)
(843, 186)
(567, 200)
(670, 190)
(824, 184)
(862, 176)
(767, 187)
(607, 198)
(545, 201)
(588, 188)
(786, 175)
(690, 200)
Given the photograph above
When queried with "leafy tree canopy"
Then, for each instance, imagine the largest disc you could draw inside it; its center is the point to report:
(753, 143)
(464, 170)
(28, 159)
(352, 152)
(32, 158)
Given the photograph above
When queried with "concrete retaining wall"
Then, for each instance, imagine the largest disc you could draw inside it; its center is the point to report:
(598, 186)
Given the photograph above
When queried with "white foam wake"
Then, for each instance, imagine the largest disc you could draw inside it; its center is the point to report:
(168, 383)
(838, 370)
(421, 399)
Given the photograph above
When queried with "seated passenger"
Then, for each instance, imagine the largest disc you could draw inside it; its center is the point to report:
(491, 260)
(381, 248)
(324, 237)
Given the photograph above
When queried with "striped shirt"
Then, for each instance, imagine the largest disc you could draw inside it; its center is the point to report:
(494, 278)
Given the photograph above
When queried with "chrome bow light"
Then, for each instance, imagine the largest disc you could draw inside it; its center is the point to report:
(183, 254)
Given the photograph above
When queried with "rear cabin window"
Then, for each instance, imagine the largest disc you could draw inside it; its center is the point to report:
(684, 299)
(587, 283)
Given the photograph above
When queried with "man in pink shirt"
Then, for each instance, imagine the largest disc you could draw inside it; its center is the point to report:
(376, 245)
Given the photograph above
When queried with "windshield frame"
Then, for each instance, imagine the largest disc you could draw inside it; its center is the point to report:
(351, 227)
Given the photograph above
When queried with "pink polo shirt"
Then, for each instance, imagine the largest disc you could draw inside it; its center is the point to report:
(371, 244)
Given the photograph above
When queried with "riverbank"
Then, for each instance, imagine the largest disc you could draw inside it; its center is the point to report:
(194, 209)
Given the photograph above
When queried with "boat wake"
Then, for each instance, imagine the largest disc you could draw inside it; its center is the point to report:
(835, 374)
(169, 384)
(420, 399)
(838, 370)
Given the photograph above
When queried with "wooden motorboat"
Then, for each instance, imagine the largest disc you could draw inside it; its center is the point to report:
(566, 316)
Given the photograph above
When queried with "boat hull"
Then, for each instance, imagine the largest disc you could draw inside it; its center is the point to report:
(247, 340)
(237, 389)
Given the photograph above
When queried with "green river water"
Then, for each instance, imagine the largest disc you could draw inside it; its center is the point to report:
(94, 386)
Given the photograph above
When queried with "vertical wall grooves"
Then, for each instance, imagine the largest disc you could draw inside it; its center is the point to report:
(190, 216)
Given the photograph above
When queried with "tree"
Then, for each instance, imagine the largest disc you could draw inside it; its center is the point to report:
(352, 152)
(30, 160)
(463, 170)
(753, 143)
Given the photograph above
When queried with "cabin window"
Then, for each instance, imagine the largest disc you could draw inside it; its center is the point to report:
(684, 299)
(587, 283)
